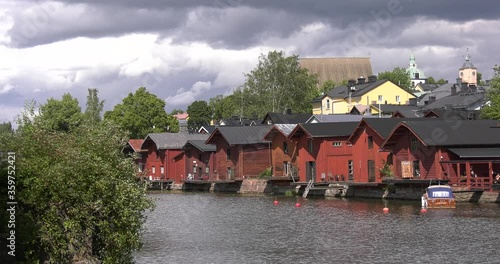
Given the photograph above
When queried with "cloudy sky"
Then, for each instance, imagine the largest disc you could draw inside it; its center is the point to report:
(186, 50)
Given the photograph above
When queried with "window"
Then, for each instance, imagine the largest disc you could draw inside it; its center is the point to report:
(153, 170)
(337, 144)
(350, 169)
(380, 98)
(207, 169)
(370, 142)
(349, 144)
(398, 99)
(228, 154)
(194, 168)
(327, 104)
(417, 75)
(141, 167)
(230, 173)
(310, 146)
(162, 170)
(285, 147)
(286, 168)
(414, 145)
(416, 169)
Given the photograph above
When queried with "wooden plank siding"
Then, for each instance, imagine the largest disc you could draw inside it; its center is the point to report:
(154, 161)
(279, 157)
(199, 164)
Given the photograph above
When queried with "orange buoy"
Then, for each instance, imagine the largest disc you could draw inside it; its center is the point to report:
(423, 210)
(297, 205)
(386, 210)
(276, 202)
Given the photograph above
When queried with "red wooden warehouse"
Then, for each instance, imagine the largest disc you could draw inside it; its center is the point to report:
(284, 152)
(196, 161)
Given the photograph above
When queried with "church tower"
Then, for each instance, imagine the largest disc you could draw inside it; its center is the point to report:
(416, 75)
(468, 72)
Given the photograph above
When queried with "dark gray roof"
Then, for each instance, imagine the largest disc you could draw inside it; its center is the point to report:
(285, 129)
(440, 92)
(279, 118)
(428, 86)
(172, 140)
(342, 91)
(329, 129)
(407, 113)
(384, 126)
(456, 132)
(208, 129)
(476, 152)
(337, 118)
(391, 108)
(462, 100)
(240, 135)
(200, 144)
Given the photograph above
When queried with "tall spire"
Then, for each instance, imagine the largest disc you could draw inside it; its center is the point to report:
(412, 60)
(467, 56)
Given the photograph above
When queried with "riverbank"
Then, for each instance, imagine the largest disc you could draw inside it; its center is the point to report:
(404, 190)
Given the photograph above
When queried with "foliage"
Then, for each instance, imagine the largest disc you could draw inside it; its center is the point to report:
(224, 107)
(430, 80)
(492, 111)
(60, 115)
(6, 127)
(94, 107)
(142, 113)
(386, 170)
(78, 197)
(276, 83)
(266, 173)
(177, 111)
(327, 86)
(199, 114)
(398, 76)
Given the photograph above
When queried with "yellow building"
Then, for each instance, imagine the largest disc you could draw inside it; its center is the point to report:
(342, 99)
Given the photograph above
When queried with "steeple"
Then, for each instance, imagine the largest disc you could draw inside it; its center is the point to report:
(416, 75)
(468, 72)
(412, 63)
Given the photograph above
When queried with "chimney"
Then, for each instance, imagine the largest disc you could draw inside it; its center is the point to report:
(361, 80)
(463, 87)
(288, 111)
(454, 89)
(459, 82)
(432, 99)
(413, 101)
(372, 78)
(473, 88)
(448, 107)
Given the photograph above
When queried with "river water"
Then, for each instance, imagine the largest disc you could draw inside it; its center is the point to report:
(224, 228)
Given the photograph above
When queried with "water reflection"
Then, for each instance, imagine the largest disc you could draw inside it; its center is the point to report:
(219, 228)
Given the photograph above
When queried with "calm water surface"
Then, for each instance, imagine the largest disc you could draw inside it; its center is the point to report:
(219, 228)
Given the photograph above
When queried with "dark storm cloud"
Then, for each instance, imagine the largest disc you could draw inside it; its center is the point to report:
(228, 23)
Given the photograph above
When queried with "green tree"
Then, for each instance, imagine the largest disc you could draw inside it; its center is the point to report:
(6, 127)
(141, 113)
(277, 82)
(441, 81)
(61, 115)
(398, 76)
(177, 111)
(480, 79)
(78, 196)
(199, 114)
(430, 80)
(492, 111)
(224, 107)
(94, 107)
(327, 86)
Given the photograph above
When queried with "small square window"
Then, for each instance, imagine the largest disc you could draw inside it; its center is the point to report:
(337, 144)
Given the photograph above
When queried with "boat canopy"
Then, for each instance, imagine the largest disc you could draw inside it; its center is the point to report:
(440, 192)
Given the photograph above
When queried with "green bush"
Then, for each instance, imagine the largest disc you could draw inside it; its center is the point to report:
(267, 173)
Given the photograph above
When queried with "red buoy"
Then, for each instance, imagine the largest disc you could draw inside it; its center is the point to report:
(297, 205)
(423, 210)
(276, 202)
(386, 210)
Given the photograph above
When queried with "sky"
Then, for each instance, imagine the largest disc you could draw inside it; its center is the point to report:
(187, 50)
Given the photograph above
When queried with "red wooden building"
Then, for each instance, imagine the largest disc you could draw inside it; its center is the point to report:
(161, 151)
(241, 151)
(133, 148)
(196, 161)
(325, 154)
(284, 152)
(467, 153)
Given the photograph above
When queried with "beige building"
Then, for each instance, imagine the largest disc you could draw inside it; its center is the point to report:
(337, 69)
(468, 72)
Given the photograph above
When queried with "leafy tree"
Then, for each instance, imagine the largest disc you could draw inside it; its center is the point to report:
(398, 76)
(441, 81)
(327, 86)
(277, 82)
(78, 197)
(177, 111)
(430, 80)
(224, 107)
(94, 107)
(6, 127)
(142, 113)
(199, 114)
(61, 115)
(492, 111)
(480, 79)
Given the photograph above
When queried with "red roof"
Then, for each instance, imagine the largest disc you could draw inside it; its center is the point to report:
(136, 144)
(181, 116)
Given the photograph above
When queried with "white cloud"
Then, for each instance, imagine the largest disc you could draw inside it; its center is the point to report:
(184, 96)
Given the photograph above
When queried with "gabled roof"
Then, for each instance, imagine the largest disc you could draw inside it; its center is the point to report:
(236, 121)
(136, 144)
(284, 129)
(440, 92)
(407, 113)
(381, 126)
(320, 130)
(435, 132)
(172, 140)
(207, 129)
(241, 135)
(391, 108)
(361, 89)
(182, 116)
(337, 118)
(446, 113)
(462, 100)
(428, 86)
(337, 69)
(200, 145)
(279, 118)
